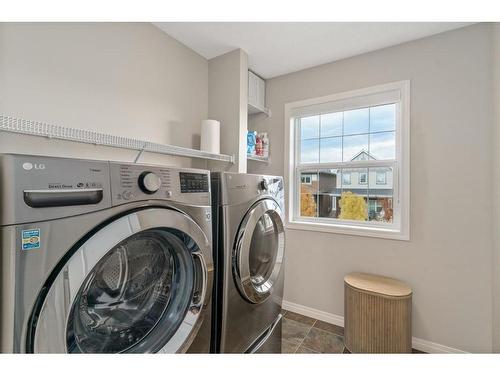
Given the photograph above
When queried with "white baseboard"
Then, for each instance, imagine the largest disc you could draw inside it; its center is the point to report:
(314, 313)
(434, 347)
(419, 344)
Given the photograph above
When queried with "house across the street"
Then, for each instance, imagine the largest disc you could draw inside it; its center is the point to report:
(375, 185)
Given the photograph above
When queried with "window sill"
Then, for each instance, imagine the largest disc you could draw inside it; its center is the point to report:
(352, 230)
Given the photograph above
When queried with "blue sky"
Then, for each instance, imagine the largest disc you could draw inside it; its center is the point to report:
(344, 134)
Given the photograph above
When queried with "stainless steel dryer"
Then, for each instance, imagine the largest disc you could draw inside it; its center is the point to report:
(103, 257)
(249, 245)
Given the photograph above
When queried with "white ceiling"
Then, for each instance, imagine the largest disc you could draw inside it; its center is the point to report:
(279, 48)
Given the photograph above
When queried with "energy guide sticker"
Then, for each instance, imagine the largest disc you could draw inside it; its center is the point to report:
(30, 239)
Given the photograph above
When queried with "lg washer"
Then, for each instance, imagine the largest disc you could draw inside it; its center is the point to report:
(103, 257)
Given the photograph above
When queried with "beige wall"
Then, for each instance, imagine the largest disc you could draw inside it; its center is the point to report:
(448, 260)
(496, 188)
(127, 79)
(227, 102)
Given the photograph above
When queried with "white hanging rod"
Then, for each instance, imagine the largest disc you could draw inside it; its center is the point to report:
(16, 125)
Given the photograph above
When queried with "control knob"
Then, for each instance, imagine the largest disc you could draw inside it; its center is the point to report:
(149, 182)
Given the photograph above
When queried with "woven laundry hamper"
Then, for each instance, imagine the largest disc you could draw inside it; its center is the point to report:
(377, 314)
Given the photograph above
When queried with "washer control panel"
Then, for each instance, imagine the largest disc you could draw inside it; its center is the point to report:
(133, 182)
(149, 182)
(42, 188)
(193, 182)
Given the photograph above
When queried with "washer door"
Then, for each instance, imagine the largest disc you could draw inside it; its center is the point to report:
(258, 252)
(137, 285)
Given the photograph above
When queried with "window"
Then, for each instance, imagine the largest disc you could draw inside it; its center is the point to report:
(362, 178)
(306, 179)
(381, 178)
(355, 147)
(346, 178)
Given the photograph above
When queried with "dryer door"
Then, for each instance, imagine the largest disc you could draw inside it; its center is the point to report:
(138, 285)
(259, 249)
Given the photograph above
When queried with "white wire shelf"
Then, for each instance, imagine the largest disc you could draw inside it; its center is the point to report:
(21, 126)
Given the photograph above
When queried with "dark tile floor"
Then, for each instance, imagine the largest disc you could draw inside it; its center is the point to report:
(301, 334)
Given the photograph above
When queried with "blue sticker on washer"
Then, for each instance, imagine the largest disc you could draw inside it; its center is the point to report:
(30, 239)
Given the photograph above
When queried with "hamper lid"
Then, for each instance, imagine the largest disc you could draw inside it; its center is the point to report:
(378, 284)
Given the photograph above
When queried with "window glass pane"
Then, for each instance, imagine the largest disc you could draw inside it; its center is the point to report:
(352, 178)
(356, 121)
(329, 193)
(309, 193)
(363, 178)
(331, 124)
(309, 151)
(381, 178)
(330, 149)
(309, 127)
(383, 118)
(346, 178)
(383, 145)
(354, 146)
(380, 193)
(352, 202)
(360, 194)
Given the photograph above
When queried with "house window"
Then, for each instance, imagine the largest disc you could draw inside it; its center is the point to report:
(381, 178)
(356, 146)
(346, 178)
(306, 179)
(362, 178)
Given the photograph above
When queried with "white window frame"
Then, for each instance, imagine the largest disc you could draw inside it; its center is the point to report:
(395, 92)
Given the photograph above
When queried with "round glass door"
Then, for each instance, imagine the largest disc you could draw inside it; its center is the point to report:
(259, 251)
(144, 281)
(138, 285)
(263, 247)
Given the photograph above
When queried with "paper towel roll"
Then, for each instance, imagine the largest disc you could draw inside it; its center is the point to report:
(210, 136)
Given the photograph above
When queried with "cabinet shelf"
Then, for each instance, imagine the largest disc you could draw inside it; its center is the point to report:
(21, 126)
(261, 159)
(252, 110)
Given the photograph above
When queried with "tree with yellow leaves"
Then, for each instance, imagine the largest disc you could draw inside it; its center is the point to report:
(307, 203)
(352, 207)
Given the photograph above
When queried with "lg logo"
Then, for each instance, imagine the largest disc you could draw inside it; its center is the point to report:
(30, 166)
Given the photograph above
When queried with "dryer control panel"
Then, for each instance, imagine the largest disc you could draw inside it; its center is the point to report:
(133, 182)
(238, 188)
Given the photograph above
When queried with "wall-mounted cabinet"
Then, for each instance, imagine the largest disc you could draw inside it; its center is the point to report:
(256, 94)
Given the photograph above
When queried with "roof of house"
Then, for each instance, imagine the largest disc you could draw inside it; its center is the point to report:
(363, 155)
(376, 193)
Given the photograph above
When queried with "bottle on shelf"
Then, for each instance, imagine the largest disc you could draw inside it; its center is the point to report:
(251, 140)
(258, 146)
(265, 145)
